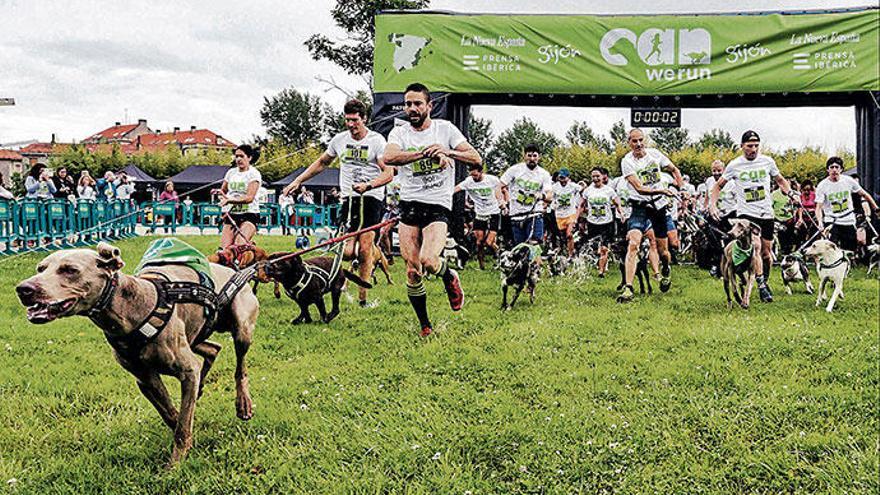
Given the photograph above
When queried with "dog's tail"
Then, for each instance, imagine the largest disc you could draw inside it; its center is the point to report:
(354, 278)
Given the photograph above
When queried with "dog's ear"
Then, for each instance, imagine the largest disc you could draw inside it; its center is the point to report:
(756, 230)
(109, 257)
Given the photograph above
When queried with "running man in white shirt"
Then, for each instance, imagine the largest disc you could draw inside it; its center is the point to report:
(484, 190)
(834, 205)
(641, 168)
(424, 153)
(524, 186)
(567, 200)
(362, 177)
(752, 172)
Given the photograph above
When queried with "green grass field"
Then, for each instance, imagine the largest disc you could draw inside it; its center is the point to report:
(576, 394)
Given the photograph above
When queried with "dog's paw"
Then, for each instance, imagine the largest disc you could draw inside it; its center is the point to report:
(788, 290)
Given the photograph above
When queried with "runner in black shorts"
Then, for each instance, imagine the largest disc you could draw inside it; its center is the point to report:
(484, 190)
(601, 204)
(362, 179)
(238, 199)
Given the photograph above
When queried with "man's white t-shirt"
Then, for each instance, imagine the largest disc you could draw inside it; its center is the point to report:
(623, 189)
(647, 169)
(237, 183)
(836, 199)
(566, 199)
(727, 199)
(598, 204)
(482, 194)
(752, 184)
(523, 184)
(423, 180)
(358, 161)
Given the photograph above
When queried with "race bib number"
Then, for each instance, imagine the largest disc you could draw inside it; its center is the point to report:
(649, 177)
(754, 194)
(840, 206)
(597, 211)
(525, 199)
(564, 201)
(425, 166)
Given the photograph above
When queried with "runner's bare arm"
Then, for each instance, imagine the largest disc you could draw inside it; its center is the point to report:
(676, 175)
(783, 184)
(713, 196)
(314, 169)
(867, 198)
(394, 155)
(641, 189)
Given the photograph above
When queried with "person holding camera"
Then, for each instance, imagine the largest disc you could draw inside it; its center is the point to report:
(85, 188)
(38, 183)
(64, 185)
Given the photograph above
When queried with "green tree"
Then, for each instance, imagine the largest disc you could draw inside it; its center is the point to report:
(716, 138)
(670, 139)
(480, 137)
(618, 133)
(355, 17)
(508, 148)
(580, 134)
(296, 119)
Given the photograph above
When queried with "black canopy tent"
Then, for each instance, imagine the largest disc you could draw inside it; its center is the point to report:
(137, 175)
(322, 183)
(195, 176)
(413, 46)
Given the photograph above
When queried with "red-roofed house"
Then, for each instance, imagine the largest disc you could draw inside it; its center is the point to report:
(119, 133)
(190, 141)
(10, 162)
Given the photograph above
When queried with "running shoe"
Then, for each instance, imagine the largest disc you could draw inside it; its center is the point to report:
(626, 295)
(454, 291)
(426, 330)
(766, 295)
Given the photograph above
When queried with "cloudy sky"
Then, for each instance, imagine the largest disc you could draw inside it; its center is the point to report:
(77, 67)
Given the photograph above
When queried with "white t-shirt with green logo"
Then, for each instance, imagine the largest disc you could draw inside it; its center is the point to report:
(598, 204)
(358, 161)
(523, 184)
(647, 169)
(623, 189)
(236, 187)
(423, 180)
(752, 179)
(482, 194)
(566, 199)
(836, 199)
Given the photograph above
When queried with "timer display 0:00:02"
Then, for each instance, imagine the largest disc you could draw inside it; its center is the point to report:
(656, 117)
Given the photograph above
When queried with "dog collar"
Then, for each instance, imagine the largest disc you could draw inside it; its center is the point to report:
(106, 295)
(835, 264)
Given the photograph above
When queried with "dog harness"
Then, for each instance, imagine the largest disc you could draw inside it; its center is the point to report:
(168, 294)
(835, 264)
(741, 255)
(305, 279)
(237, 251)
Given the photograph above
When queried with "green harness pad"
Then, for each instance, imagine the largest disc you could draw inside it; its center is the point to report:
(741, 255)
(173, 251)
(534, 249)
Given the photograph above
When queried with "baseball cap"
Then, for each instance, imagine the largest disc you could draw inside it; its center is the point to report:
(750, 136)
(563, 172)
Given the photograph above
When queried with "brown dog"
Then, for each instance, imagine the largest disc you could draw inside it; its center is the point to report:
(243, 256)
(738, 270)
(380, 262)
(149, 337)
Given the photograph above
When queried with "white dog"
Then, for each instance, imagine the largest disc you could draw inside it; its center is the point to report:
(833, 266)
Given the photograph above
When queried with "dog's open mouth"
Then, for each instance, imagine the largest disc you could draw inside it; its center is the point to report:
(45, 312)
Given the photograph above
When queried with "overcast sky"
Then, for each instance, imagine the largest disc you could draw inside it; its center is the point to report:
(77, 67)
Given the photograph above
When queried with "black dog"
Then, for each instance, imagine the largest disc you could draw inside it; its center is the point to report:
(620, 247)
(519, 269)
(307, 281)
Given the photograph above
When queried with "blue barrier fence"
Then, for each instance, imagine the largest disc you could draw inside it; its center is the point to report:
(53, 224)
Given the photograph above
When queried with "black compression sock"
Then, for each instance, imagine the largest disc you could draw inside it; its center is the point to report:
(419, 299)
(767, 266)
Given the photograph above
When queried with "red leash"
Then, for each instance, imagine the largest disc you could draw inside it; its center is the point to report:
(334, 240)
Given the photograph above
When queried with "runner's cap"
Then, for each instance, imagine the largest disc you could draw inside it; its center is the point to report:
(750, 136)
(563, 172)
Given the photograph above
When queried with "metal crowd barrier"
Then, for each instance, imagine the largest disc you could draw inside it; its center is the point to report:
(32, 224)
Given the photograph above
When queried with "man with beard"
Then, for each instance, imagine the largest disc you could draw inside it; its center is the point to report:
(523, 186)
(425, 152)
(752, 172)
(642, 168)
